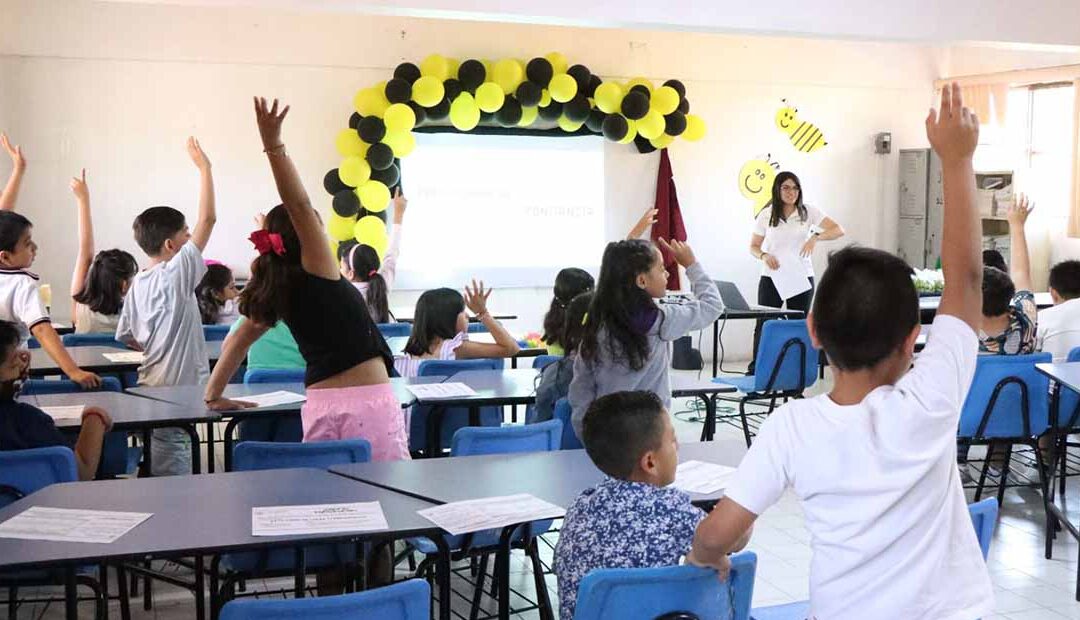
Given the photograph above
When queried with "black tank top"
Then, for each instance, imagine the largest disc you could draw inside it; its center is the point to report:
(331, 324)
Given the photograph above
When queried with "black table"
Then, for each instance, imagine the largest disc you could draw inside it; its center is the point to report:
(207, 515)
(92, 359)
(405, 316)
(492, 387)
(397, 347)
(762, 313)
(683, 386)
(556, 477)
(130, 413)
(928, 305)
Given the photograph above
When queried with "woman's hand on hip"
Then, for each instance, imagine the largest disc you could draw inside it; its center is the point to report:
(808, 247)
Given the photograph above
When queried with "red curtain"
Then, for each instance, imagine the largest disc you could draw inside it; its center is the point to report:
(669, 222)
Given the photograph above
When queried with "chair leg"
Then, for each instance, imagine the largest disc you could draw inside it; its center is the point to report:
(122, 589)
(103, 572)
(745, 424)
(13, 603)
(1062, 452)
(982, 474)
(542, 598)
(148, 601)
(100, 604)
(1005, 474)
(478, 590)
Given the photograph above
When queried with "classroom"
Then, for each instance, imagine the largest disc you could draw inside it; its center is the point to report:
(466, 310)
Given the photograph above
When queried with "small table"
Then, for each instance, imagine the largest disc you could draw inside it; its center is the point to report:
(492, 387)
(406, 316)
(928, 305)
(397, 347)
(763, 313)
(130, 413)
(208, 515)
(92, 359)
(683, 386)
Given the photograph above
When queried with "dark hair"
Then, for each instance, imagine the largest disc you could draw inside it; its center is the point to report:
(619, 306)
(1065, 279)
(574, 327)
(365, 265)
(9, 340)
(266, 295)
(103, 290)
(997, 291)
(620, 427)
(993, 258)
(865, 306)
(777, 203)
(436, 316)
(215, 280)
(344, 247)
(569, 283)
(12, 227)
(155, 226)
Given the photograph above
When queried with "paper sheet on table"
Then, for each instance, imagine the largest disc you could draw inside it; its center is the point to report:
(272, 399)
(124, 356)
(702, 477)
(440, 390)
(64, 412)
(790, 279)
(317, 519)
(69, 525)
(490, 512)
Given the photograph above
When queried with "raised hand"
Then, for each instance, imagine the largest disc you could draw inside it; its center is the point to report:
(269, 121)
(953, 130)
(195, 152)
(680, 250)
(1019, 211)
(643, 224)
(14, 152)
(476, 297)
(80, 188)
(400, 203)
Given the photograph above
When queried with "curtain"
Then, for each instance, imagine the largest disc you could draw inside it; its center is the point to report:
(669, 222)
(989, 101)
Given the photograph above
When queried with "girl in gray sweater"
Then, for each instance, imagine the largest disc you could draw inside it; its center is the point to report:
(625, 344)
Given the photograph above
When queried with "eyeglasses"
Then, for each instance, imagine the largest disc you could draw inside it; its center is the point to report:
(789, 188)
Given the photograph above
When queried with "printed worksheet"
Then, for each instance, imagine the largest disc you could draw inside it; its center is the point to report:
(490, 512)
(64, 412)
(702, 477)
(70, 525)
(272, 399)
(134, 357)
(317, 519)
(431, 391)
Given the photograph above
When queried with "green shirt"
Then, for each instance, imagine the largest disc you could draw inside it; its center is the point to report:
(276, 349)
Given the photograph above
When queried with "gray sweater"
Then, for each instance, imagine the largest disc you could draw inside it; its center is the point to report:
(601, 376)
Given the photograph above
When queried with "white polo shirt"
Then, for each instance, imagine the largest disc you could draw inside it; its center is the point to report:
(789, 235)
(20, 301)
(1058, 330)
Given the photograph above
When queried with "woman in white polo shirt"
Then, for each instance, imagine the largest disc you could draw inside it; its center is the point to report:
(786, 229)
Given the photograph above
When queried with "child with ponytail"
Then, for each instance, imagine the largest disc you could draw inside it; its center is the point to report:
(372, 277)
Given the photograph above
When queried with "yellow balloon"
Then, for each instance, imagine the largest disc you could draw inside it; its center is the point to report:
(631, 132)
(399, 118)
(402, 143)
(353, 171)
(609, 97)
(464, 113)
(662, 142)
(568, 125)
(559, 64)
(370, 230)
(651, 125)
(370, 101)
(695, 128)
(545, 98)
(349, 143)
(489, 97)
(435, 66)
(427, 91)
(562, 87)
(639, 80)
(664, 100)
(374, 196)
(508, 74)
(340, 228)
(528, 116)
(453, 64)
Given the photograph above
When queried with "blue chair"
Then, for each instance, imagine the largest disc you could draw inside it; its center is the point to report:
(408, 600)
(453, 417)
(117, 457)
(215, 333)
(277, 428)
(983, 518)
(563, 413)
(477, 328)
(540, 437)
(541, 362)
(274, 375)
(279, 562)
(91, 340)
(33, 343)
(786, 365)
(395, 330)
(684, 592)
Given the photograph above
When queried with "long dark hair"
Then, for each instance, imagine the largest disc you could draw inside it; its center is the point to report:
(266, 295)
(364, 261)
(215, 281)
(620, 307)
(103, 290)
(574, 325)
(569, 283)
(436, 316)
(777, 203)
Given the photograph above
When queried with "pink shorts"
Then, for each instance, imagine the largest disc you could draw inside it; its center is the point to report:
(370, 412)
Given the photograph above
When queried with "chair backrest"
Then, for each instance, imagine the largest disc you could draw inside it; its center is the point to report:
(23, 472)
(395, 330)
(477, 328)
(91, 340)
(1007, 398)
(66, 386)
(984, 517)
(254, 455)
(408, 600)
(449, 368)
(274, 375)
(541, 362)
(648, 593)
(786, 360)
(563, 412)
(215, 333)
(1068, 411)
(473, 440)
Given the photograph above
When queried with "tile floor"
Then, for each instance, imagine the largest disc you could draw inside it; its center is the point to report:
(1028, 587)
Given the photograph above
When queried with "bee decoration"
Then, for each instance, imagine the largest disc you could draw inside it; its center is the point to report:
(756, 181)
(804, 136)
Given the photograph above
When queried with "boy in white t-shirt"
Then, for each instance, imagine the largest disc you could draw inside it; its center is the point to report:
(1059, 326)
(161, 316)
(874, 461)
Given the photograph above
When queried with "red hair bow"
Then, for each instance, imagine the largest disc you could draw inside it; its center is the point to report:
(266, 241)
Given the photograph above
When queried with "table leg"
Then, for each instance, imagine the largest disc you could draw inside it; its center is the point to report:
(210, 448)
(200, 595)
(196, 449)
(147, 453)
(71, 594)
(228, 441)
(715, 342)
(442, 576)
(474, 416)
(709, 431)
(299, 573)
(432, 444)
(502, 571)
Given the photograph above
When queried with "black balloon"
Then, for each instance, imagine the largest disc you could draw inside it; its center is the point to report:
(486, 117)
(595, 122)
(641, 88)
(371, 129)
(594, 83)
(381, 214)
(529, 94)
(346, 204)
(509, 114)
(684, 106)
(354, 120)
(615, 127)
(398, 91)
(332, 183)
(472, 73)
(408, 72)
(439, 111)
(678, 86)
(380, 156)
(539, 71)
(552, 112)
(635, 105)
(389, 177)
(419, 111)
(643, 145)
(581, 75)
(577, 109)
(675, 123)
(453, 89)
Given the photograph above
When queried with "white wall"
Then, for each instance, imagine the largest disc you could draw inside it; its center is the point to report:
(117, 88)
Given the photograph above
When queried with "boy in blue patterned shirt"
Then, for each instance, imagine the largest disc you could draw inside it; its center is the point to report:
(633, 519)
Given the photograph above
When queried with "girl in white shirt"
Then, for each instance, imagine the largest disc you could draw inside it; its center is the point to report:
(372, 277)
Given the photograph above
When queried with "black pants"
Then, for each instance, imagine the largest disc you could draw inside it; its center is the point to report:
(767, 296)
